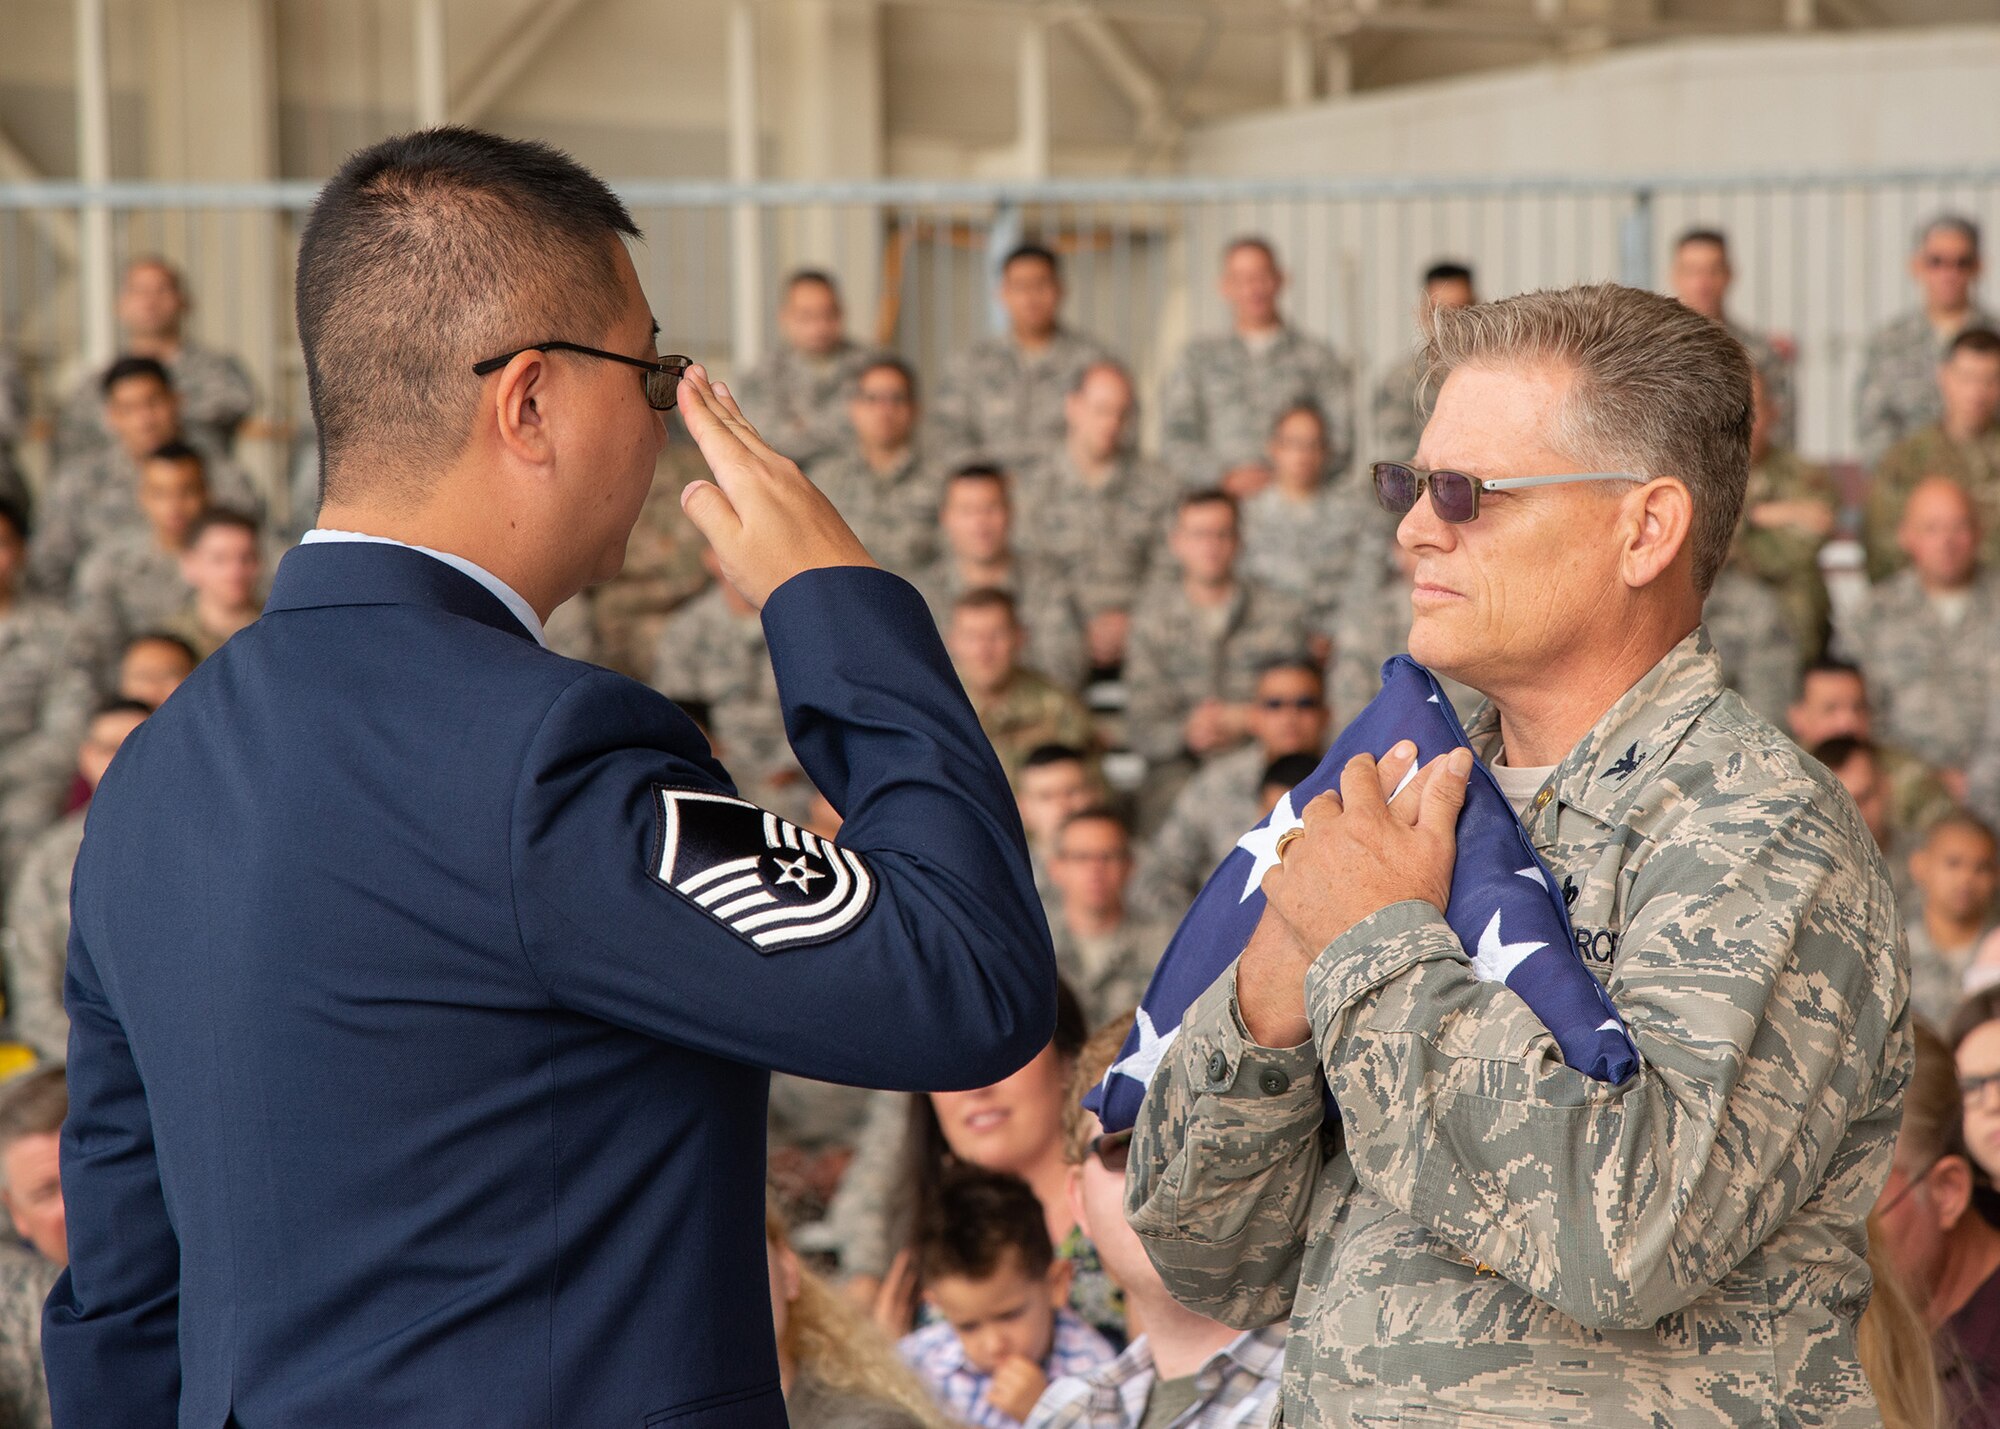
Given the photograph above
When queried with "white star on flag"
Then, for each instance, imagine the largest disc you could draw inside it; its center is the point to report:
(1497, 958)
(1146, 1056)
(1262, 844)
(1533, 872)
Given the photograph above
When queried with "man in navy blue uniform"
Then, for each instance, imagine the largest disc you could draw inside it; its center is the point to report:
(423, 983)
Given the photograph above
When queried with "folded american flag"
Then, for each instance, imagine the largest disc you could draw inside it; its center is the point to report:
(1504, 907)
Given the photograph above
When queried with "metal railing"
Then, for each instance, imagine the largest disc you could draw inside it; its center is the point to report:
(1820, 258)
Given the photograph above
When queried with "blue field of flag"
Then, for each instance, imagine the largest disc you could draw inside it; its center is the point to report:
(1504, 907)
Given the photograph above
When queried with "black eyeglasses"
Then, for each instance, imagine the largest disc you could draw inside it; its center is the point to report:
(1454, 495)
(1963, 262)
(1302, 702)
(662, 379)
(1112, 1150)
(1974, 1089)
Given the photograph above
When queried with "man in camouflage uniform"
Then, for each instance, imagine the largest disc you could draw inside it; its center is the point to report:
(34, 940)
(1485, 1235)
(880, 481)
(1096, 509)
(1199, 641)
(215, 392)
(1222, 398)
(1789, 510)
(131, 581)
(1753, 642)
(976, 521)
(712, 651)
(1215, 808)
(1001, 399)
(1020, 709)
(33, 1105)
(1928, 638)
(44, 699)
(1374, 624)
(1963, 444)
(798, 393)
(1398, 406)
(1104, 950)
(1833, 703)
(1700, 276)
(95, 495)
(1898, 392)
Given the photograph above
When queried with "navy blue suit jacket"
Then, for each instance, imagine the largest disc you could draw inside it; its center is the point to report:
(418, 1050)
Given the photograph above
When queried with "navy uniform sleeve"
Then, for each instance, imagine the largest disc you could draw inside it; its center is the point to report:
(110, 1328)
(913, 955)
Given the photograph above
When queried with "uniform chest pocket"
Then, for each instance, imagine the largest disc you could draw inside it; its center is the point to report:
(1596, 884)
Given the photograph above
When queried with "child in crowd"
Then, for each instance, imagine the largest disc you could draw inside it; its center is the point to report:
(1004, 1328)
(1956, 870)
(224, 566)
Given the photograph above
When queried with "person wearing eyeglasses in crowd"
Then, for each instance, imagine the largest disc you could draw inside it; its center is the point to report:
(1488, 1235)
(394, 925)
(1898, 391)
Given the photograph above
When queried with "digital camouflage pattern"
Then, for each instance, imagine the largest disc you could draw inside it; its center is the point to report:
(1000, 403)
(861, 1224)
(1937, 974)
(1108, 537)
(25, 1281)
(1109, 974)
(1489, 1237)
(894, 512)
(1221, 401)
(1212, 811)
(1049, 611)
(95, 496)
(1898, 391)
(797, 403)
(215, 394)
(35, 940)
(1784, 557)
(1759, 654)
(1308, 550)
(1399, 419)
(1974, 465)
(662, 568)
(124, 586)
(1031, 711)
(1179, 655)
(710, 651)
(1929, 682)
(45, 701)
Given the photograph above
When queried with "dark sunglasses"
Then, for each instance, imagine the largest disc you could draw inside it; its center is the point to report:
(1964, 263)
(1112, 1150)
(1303, 702)
(662, 378)
(1454, 495)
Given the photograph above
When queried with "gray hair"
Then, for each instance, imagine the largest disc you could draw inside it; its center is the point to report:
(1659, 390)
(1955, 223)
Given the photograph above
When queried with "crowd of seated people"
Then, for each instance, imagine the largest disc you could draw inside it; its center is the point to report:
(1158, 643)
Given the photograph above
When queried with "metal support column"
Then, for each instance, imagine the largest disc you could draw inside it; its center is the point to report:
(93, 166)
(746, 232)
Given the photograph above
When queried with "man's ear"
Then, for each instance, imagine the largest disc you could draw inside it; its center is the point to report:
(516, 411)
(1062, 1274)
(1657, 519)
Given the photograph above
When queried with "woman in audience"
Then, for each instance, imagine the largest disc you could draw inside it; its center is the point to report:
(837, 1370)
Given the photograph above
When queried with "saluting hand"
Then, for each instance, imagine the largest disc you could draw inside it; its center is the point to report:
(766, 522)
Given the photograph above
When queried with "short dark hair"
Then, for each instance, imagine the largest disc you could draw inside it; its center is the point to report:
(888, 362)
(1703, 235)
(1838, 752)
(213, 518)
(1208, 496)
(1298, 664)
(178, 450)
(425, 254)
(1032, 253)
(1963, 820)
(1250, 240)
(15, 516)
(1828, 665)
(162, 637)
(1447, 273)
(33, 1103)
(1308, 407)
(1096, 814)
(1950, 223)
(1983, 341)
(1043, 755)
(118, 705)
(1290, 770)
(799, 276)
(979, 1219)
(989, 597)
(126, 368)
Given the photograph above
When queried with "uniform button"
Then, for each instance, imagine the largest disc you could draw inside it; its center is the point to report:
(1218, 1067)
(1542, 799)
(1274, 1082)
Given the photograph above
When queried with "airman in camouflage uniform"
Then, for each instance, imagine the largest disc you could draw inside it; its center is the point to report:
(35, 939)
(1974, 464)
(1898, 390)
(1930, 681)
(25, 1281)
(797, 394)
(1030, 710)
(45, 698)
(1214, 809)
(1373, 625)
(1050, 613)
(1001, 399)
(1486, 1236)
(1182, 655)
(1308, 550)
(1398, 404)
(1754, 642)
(126, 585)
(1222, 398)
(1106, 533)
(1779, 539)
(892, 510)
(663, 569)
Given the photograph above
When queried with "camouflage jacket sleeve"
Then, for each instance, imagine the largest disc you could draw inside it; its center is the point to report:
(1982, 770)
(1153, 719)
(1184, 427)
(1335, 397)
(951, 422)
(1225, 1156)
(1877, 420)
(1888, 488)
(35, 946)
(1753, 974)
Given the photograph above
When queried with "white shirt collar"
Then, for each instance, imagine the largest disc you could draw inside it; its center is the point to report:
(501, 591)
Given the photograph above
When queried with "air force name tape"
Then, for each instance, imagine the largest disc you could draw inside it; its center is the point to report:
(770, 882)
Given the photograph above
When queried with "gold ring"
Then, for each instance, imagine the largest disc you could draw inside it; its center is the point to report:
(1286, 840)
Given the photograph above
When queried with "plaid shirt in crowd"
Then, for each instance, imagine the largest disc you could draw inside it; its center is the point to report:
(939, 1360)
(1235, 1389)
